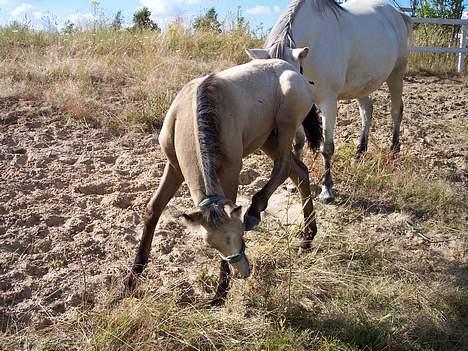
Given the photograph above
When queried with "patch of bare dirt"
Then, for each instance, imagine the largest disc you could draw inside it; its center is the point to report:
(72, 198)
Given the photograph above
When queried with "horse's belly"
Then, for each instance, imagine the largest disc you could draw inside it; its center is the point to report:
(360, 89)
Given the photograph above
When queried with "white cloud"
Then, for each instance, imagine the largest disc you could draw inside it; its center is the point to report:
(22, 10)
(259, 10)
(163, 11)
(277, 9)
(80, 19)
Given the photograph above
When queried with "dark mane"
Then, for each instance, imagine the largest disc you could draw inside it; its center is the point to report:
(281, 37)
(211, 147)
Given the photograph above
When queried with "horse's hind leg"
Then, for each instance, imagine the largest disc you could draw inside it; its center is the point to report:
(170, 182)
(298, 151)
(299, 174)
(299, 142)
(365, 109)
(395, 86)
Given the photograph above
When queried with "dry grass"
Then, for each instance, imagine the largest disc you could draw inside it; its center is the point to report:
(434, 35)
(111, 78)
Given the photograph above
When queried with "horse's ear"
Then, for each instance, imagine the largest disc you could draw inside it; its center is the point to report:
(255, 54)
(233, 210)
(300, 54)
(192, 219)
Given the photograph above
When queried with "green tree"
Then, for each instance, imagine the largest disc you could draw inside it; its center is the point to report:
(69, 28)
(438, 8)
(207, 22)
(241, 24)
(142, 20)
(118, 21)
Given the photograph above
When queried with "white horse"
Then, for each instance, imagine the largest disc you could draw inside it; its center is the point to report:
(354, 48)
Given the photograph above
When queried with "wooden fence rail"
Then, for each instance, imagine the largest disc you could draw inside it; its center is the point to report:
(461, 50)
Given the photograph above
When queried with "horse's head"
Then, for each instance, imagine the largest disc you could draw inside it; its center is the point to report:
(295, 57)
(223, 230)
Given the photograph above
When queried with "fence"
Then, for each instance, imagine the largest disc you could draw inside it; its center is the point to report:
(461, 50)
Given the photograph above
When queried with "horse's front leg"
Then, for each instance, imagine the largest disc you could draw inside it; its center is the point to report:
(328, 108)
(229, 177)
(279, 149)
(170, 182)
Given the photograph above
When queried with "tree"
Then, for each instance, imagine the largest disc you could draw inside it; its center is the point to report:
(69, 28)
(118, 21)
(142, 20)
(438, 8)
(241, 25)
(207, 22)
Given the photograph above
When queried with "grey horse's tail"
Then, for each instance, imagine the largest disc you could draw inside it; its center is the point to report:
(313, 128)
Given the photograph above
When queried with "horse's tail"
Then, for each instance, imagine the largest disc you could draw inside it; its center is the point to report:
(313, 128)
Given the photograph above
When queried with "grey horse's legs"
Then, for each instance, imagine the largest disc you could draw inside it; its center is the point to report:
(365, 110)
(329, 109)
(395, 86)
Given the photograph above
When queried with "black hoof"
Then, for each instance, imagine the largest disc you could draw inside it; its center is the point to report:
(129, 284)
(306, 246)
(216, 302)
(327, 197)
(250, 222)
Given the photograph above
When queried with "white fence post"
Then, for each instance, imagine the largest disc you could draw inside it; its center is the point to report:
(461, 55)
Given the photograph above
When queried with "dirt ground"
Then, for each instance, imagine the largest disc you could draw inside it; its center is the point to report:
(72, 197)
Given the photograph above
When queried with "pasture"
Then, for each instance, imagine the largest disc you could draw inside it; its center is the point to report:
(79, 158)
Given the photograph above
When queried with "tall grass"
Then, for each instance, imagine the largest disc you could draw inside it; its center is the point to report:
(434, 35)
(113, 78)
(125, 78)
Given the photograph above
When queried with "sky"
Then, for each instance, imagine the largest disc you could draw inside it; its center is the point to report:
(36, 12)
(163, 11)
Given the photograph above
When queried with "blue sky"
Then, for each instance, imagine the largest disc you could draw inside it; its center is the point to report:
(257, 11)
(81, 11)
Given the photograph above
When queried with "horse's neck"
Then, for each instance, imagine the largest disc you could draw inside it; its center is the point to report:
(308, 24)
(200, 186)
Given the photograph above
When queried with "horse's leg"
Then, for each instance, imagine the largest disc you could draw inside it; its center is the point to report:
(329, 109)
(282, 164)
(299, 174)
(229, 177)
(298, 151)
(365, 109)
(395, 86)
(170, 182)
(299, 142)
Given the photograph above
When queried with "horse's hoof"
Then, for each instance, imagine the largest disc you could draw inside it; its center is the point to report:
(306, 247)
(250, 222)
(129, 284)
(291, 188)
(216, 302)
(358, 157)
(327, 196)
